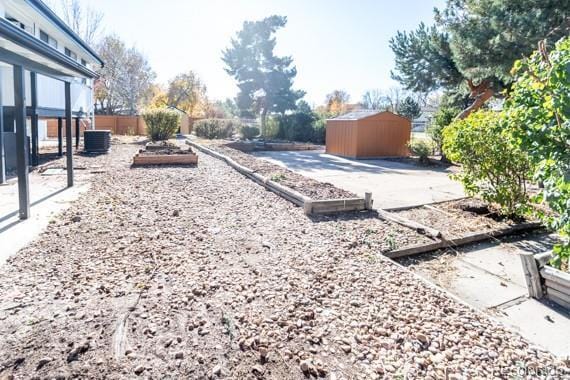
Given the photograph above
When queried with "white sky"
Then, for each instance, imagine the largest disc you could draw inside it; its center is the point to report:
(335, 44)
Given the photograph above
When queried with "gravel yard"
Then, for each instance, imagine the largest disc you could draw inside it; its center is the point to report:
(200, 273)
(306, 186)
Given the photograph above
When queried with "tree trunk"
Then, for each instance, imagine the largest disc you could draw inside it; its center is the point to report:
(481, 92)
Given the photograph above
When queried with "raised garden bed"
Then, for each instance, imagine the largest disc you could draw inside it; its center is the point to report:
(544, 281)
(308, 187)
(457, 223)
(251, 146)
(458, 218)
(164, 153)
(310, 205)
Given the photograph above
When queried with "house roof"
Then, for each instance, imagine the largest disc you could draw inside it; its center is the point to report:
(22, 48)
(42, 8)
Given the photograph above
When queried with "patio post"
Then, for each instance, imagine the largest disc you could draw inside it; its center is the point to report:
(2, 155)
(21, 141)
(68, 138)
(77, 120)
(59, 137)
(34, 118)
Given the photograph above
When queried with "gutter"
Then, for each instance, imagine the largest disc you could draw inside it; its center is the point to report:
(22, 38)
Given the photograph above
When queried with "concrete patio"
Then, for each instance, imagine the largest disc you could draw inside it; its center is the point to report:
(393, 184)
(489, 276)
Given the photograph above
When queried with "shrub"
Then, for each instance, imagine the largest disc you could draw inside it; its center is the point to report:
(161, 124)
(319, 131)
(215, 128)
(271, 127)
(249, 132)
(422, 149)
(538, 111)
(442, 118)
(493, 165)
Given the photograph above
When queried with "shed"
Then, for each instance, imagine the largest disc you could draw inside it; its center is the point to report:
(185, 123)
(368, 134)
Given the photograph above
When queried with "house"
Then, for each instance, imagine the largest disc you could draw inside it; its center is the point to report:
(46, 72)
(421, 123)
(368, 134)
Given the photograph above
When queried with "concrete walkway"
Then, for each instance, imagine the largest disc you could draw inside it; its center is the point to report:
(49, 196)
(489, 277)
(393, 183)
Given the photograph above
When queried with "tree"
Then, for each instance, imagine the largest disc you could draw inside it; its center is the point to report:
(336, 101)
(125, 82)
(474, 45)
(441, 119)
(409, 108)
(264, 80)
(187, 93)
(82, 19)
(374, 100)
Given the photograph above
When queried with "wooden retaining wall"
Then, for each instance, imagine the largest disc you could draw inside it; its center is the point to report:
(545, 281)
(309, 205)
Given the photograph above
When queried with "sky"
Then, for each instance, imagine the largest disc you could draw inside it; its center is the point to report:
(335, 44)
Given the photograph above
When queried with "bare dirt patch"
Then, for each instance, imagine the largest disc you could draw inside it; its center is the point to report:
(455, 219)
(200, 273)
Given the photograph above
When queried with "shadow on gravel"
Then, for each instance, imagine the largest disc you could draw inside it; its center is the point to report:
(344, 216)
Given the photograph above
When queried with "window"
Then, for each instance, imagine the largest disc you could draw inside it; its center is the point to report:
(83, 62)
(70, 54)
(48, 39)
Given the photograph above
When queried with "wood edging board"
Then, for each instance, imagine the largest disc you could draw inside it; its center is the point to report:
(165, 159)
(463, 240)
(418, 227)
(311, 206)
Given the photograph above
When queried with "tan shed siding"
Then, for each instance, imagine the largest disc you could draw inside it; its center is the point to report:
(384, 135)
(341, 137)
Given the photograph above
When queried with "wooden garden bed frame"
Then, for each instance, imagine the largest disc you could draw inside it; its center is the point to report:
(165, 159)
(310, 206)
(545, 281)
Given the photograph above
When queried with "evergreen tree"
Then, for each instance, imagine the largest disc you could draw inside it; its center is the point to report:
(264, 80)
(474, 45)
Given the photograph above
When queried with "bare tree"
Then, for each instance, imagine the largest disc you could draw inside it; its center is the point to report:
(82, 19)
(126, 80)
(374, 100)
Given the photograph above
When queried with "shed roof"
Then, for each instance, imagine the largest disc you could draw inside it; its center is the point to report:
(356, 115)
(363, 114)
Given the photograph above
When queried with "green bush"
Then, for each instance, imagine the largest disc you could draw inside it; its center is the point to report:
(249, 132)
(161, 124)
(421, 148)
(215, 128)
(442, 118)
(538, 111)
(303, 125)
(493, 165)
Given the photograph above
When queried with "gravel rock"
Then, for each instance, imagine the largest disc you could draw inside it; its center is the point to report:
(131, 276)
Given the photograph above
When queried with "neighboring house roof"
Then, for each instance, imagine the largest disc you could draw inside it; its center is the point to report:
(363, 114)
(41, 7)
